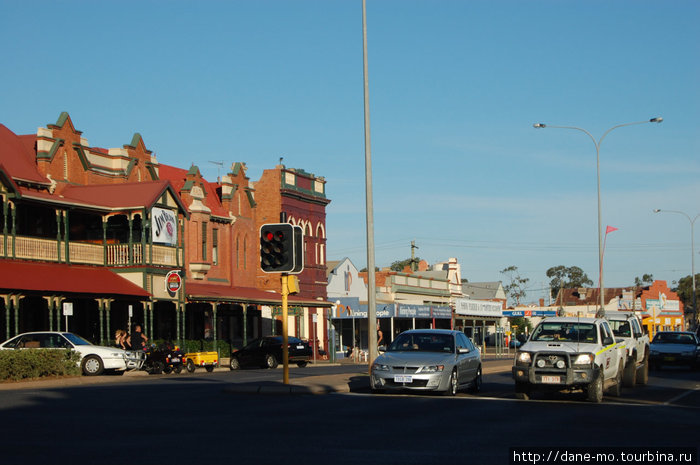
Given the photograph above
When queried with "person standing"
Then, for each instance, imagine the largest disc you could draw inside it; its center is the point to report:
(137, 340)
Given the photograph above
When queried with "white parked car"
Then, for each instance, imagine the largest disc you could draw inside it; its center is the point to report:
(94, 360)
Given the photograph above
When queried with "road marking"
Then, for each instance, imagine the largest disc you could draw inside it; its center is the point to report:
(680, 396)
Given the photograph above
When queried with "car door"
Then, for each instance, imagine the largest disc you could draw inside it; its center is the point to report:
(609, 365)
(464, 360)
(248, 354)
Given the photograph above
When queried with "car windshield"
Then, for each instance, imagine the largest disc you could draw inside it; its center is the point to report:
(422, 342)
(565, 331)
(674, 338)
(76, 340)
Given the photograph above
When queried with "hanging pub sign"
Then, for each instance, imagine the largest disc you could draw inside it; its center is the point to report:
(163, 226)
(173, 282)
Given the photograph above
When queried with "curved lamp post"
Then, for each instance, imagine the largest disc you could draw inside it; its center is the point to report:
(597, 155)
(692, 256)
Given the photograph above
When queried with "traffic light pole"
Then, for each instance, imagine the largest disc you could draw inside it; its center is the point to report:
(285, 338)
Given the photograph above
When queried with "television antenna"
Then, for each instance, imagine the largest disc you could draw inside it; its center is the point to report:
(220, 164)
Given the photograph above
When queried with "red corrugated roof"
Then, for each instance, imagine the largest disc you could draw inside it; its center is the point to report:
(195, 290)
(202, 291)
(18, 157)
(59, 277)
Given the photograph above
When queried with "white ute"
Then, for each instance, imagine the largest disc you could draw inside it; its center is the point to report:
(629, 328)
(569, 354)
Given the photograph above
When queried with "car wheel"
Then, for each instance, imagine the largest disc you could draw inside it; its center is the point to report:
(302, 364)
(233, 364)
(452, 385)
(629, 378)
(92, 365)
(270, 361)
(594, 391)
(476, 384)
(643, 372)
(178, 369)
(191, 367)
(167, 369)
(209, 368)
(522, 391)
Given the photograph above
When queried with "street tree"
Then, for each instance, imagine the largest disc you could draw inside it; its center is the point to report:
(645, 280)
(399, 265)
(684, 289)
(520, 325)
(564, 277)
(516, 288)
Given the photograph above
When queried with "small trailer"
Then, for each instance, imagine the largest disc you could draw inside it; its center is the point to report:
(207, 360)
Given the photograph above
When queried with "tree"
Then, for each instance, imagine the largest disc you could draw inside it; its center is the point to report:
(566, 277)
(520, 325)
(516, 288)
(685, 291)
(399, 265)
(646, 280)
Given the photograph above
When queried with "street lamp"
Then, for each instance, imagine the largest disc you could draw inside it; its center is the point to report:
(692, 256)
(597, 155)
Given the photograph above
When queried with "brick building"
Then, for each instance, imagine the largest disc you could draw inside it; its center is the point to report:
(301, 196)
(115, 225)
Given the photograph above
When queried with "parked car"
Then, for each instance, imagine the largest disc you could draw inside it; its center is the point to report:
(428, 360)
(266, 352)
(94, 360)
(674, 348)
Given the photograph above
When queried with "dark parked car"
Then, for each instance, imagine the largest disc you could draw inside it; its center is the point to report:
(674, 348)
(266, 352)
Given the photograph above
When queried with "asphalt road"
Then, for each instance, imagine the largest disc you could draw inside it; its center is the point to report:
(192, 419)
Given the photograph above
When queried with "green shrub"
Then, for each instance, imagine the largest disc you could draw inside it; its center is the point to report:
(37, 363)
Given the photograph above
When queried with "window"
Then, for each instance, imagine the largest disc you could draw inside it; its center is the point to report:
(215, 246)
(204, 241)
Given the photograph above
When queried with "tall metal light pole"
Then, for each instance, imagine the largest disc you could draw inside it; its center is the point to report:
(371, 293)
(692, 257)
(597, 157)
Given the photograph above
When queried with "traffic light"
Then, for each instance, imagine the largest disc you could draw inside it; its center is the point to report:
(281, 248)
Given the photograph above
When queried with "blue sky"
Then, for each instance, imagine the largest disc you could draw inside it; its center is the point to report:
(455, 87)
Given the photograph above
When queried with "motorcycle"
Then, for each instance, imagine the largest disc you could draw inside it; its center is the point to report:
(163, 359)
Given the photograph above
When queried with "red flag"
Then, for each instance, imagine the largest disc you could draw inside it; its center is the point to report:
(610, 229)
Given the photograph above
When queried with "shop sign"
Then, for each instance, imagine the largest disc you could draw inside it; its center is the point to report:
(478, 308)
(163, 226)
(173, 282)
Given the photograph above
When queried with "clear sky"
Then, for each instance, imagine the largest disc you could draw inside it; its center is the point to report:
(455, 87)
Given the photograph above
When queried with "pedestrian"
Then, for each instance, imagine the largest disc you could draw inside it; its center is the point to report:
(137, 340)
(380, 335)
(120, 338)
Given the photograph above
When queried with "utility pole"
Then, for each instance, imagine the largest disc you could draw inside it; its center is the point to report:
(413, 255)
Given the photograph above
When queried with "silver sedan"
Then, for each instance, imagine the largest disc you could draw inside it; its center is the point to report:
(428, 360)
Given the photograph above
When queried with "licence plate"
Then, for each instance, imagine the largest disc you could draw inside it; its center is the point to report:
(551, 379)
(174, 359)
(403, 378)
(300, 347)
(669, 359)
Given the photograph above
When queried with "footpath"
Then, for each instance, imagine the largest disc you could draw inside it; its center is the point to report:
(355, 379)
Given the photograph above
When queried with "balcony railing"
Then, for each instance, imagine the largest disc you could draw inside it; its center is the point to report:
(34, 248)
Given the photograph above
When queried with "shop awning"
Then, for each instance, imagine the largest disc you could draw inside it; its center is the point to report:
(196, 291)
(61, 278)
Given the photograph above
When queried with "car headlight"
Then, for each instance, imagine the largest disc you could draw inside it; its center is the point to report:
(523, 357)
(653, 352)
(689, 353)
(432, 369)
(584, 359)
(380, 367)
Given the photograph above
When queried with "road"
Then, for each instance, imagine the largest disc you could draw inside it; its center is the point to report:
(192, 419)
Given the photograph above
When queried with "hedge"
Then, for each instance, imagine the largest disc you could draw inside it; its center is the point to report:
(22, 364)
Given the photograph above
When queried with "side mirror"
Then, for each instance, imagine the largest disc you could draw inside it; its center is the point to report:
(608, 341)
(381, 349)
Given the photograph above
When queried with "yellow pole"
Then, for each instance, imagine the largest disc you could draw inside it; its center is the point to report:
(285, 340)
